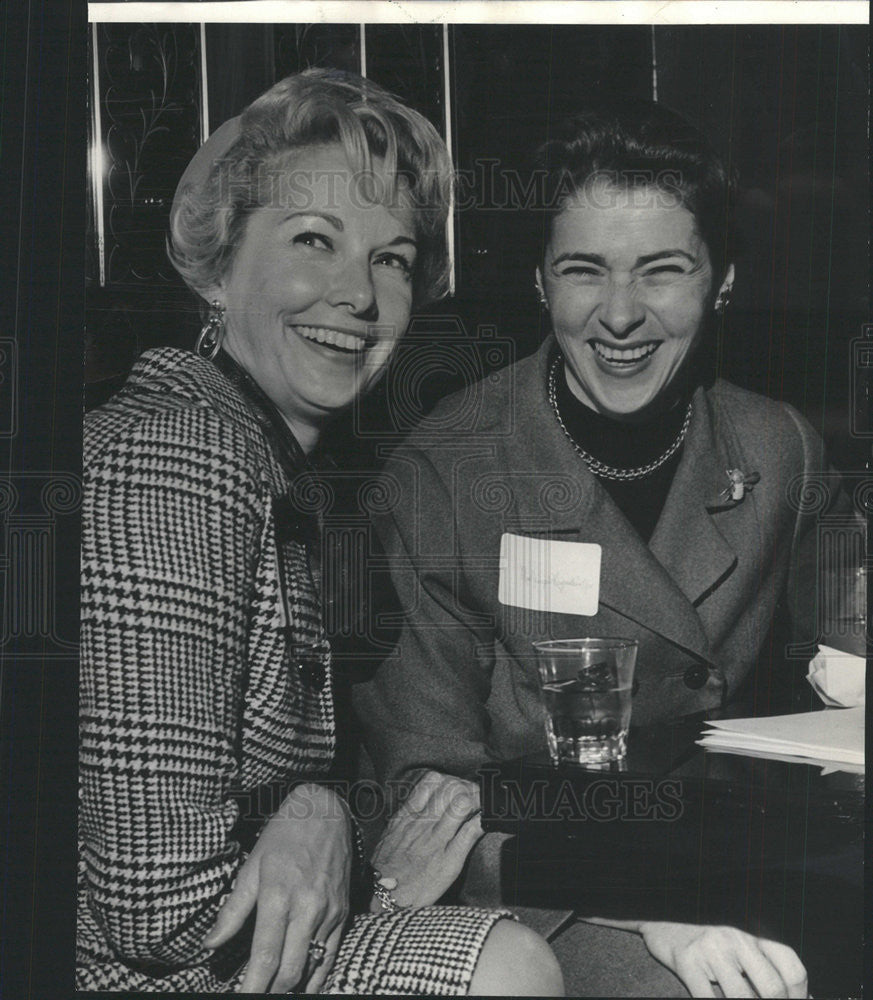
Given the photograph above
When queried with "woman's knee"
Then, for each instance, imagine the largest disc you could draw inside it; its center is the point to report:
(516, 961)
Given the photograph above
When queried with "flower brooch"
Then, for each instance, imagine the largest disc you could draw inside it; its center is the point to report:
(738, 484)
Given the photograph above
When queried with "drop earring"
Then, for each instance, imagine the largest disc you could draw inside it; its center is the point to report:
(212, 333)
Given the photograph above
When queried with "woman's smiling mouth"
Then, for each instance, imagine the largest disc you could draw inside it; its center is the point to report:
(335, 339)
(624, 356)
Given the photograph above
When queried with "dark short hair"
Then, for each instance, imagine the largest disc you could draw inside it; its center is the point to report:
(638, 143)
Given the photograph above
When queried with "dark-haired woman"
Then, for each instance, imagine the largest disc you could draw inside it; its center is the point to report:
(607, 436)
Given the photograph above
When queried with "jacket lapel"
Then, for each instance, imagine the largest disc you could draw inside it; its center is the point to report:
(634, 582)
(656, 585)
(686, 540)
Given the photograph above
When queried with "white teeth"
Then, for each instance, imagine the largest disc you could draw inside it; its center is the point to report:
(625, 355)
(324, 335)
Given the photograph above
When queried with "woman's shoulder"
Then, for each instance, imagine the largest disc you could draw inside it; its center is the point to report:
(497, 406)
(773, 427)
(752, 406)
(493, 401)
(173, 398)
(168, 378)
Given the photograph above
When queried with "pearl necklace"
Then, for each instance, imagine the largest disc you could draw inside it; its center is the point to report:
(600, 469)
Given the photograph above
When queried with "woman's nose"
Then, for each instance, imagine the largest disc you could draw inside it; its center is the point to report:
(354, 288)
(621, 312)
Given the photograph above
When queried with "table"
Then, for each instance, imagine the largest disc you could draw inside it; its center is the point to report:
(679, 833)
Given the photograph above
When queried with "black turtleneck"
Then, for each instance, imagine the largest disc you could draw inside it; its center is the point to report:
(627, 446)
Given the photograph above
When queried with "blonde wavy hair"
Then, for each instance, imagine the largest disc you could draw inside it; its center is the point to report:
(317, 107)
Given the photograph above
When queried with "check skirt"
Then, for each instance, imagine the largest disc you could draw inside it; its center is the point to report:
(430, 951)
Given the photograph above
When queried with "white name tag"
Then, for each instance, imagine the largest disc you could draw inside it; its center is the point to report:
(545, 575)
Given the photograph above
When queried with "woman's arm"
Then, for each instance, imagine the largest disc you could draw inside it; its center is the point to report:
(297, 879)
(298, 874)
(172, 529)
(704, 956)
(428, 839)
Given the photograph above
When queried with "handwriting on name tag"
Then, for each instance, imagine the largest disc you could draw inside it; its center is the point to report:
(542, 574)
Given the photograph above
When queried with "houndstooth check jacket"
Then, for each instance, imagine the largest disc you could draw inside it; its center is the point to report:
(189, 601)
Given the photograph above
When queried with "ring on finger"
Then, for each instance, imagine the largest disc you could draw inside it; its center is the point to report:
(317, 951)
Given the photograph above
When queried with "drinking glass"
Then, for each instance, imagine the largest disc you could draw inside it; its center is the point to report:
(586, 688)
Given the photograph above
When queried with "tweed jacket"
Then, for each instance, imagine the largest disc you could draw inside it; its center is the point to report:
(196, 609)
(701, 598)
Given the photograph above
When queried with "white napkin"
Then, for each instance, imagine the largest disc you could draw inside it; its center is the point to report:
(837, 677)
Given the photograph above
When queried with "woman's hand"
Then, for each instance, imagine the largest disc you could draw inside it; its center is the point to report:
(742, 965)
(428, 839)
(298, 876)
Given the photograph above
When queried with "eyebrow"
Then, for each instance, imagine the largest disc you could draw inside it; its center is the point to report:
(595, 258)
(337, 223)
(403, 239)
(661, 254)
(588, 258)
(332, 219)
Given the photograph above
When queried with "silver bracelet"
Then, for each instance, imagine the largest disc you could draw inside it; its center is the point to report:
(384, 894)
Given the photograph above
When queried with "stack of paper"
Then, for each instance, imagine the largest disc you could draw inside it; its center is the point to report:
(832, 737)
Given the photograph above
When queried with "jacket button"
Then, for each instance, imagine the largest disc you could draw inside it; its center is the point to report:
(695, 676)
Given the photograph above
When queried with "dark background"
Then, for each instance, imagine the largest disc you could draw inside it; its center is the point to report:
(787, 104)
(43, 124)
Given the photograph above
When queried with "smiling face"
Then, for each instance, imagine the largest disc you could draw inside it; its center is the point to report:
(628, 283)
(319, 291)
